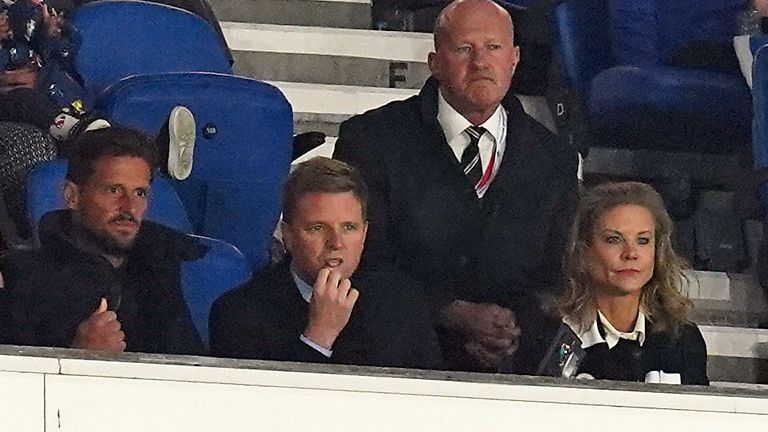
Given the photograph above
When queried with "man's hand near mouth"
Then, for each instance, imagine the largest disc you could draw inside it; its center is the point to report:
(330, 308)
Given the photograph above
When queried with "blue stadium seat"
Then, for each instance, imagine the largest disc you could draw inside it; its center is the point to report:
(204, 280)
(46, 182)
(620, 57)
(760, 106)
(222, 268)
(242, 152)
(114, 39)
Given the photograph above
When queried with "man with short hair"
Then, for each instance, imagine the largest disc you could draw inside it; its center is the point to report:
(469, 194)
(103, 279)
(315, 307)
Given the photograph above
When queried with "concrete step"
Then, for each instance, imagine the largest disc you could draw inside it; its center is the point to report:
(703, 169)
(323, 107)
(745, 306)
(329, 56)
(320, 13)
(736, 354)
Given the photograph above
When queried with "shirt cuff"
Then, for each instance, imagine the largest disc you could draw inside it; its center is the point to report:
(326, 352)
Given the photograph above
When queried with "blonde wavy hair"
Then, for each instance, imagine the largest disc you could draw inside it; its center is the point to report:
(662, 302)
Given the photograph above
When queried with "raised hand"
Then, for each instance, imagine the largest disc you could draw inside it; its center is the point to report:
(101, 331)
(330, 308)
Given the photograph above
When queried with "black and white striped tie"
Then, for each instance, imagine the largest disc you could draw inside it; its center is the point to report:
(470, 159)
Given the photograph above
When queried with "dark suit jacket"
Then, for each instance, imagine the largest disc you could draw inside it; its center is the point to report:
(426, 219)
(264, 318)
(684, 352)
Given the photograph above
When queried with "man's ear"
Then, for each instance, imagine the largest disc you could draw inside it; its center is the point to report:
(287, 233)
(71, 195)
(432, 63)
(515, 56)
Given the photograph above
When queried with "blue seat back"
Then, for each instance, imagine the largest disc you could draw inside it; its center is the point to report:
(44, 194)
(583, 46)
(681, 22)
(594, 35)
(633, 32)
(204, 280)
(760, 112)
(114, 39)
(760, 107)
(242, 152)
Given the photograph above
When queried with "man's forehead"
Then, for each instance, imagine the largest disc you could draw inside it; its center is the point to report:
(119, 169)
(462, 16)
(312, 202)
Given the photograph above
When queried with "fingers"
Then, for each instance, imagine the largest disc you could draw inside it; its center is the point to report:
(347, 295)
(513, 347)
(492, 321)
(321, 282)
(494, 335)
(102, 306)
(490, 359)
(352, 297)
(495, 344)
(330, 308)
(329, 283)
(335, 287)
(101, 331)
(107, 319)
(509, 331)
(501, 317)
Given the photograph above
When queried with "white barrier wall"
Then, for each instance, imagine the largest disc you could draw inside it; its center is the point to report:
(50, 390)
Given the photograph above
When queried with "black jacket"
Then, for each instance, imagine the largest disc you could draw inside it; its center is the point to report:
(50, 291)
(683, 352)
(264, 318)
(426, 219)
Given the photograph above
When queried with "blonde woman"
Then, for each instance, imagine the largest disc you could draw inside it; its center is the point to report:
(623, 296)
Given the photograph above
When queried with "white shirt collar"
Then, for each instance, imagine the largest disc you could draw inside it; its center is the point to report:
(592, 335)
(305, 289)
(454, 124)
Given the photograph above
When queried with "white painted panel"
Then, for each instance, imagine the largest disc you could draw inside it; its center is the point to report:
(399, 382)
(21, 402)
(84, 404)
(19, 363)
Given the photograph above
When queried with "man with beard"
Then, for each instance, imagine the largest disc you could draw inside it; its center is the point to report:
(103, 279)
